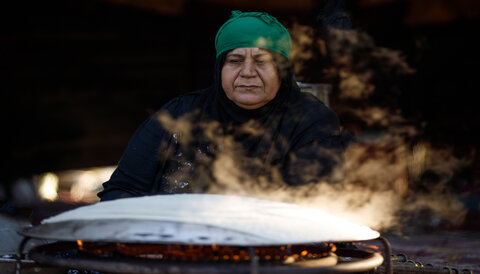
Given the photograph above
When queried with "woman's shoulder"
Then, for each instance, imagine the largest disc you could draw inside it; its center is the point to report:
(313, 120)
(311, 108)
(185, 103)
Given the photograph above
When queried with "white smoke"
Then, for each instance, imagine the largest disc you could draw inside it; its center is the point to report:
(383, 167)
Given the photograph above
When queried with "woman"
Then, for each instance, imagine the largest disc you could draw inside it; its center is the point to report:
(253, 126)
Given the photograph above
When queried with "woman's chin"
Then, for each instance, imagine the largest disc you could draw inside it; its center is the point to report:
(250, 104)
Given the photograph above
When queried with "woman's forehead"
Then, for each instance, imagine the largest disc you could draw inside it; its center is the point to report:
(249, 51)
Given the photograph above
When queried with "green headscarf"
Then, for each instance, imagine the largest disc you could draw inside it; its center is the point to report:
(253, 30)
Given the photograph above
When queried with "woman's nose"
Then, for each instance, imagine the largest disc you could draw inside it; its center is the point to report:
(248, 69)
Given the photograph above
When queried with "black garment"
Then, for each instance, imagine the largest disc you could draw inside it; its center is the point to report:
(295, 135)
(203, 142)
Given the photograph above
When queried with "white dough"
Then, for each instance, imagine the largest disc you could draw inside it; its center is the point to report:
(279, 222)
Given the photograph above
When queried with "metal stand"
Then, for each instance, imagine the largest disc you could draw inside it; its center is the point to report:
(20, 256)
(387, 249)
(253, 261)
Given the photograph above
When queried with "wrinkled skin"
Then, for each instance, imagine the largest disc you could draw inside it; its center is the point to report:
(250, 78)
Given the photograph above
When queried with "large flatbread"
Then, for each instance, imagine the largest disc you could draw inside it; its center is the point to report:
(201, 219)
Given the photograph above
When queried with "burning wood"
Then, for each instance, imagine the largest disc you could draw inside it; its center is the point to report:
(210, 253)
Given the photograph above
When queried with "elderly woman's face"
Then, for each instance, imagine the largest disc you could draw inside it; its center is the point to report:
(249, 77)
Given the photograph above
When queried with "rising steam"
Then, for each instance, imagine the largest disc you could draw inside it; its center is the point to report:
(384, 166)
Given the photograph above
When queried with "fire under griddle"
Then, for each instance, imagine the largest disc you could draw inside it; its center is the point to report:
(205, 233)
(172, 258)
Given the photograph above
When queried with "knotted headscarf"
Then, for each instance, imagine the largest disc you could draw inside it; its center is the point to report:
(253, 30)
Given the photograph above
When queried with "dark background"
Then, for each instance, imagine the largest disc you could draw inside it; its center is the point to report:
(78, 77)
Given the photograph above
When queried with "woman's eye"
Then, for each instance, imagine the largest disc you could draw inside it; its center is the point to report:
(235, 61)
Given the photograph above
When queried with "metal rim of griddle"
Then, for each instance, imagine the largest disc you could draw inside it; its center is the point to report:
(363, 260)
(71, 231)
(153, 231)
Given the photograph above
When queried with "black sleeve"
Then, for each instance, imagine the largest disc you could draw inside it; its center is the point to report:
(318, 161)
(318, 153)
(136, 171)
(141, 164)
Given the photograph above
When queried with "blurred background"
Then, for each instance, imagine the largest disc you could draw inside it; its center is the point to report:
(78, 77)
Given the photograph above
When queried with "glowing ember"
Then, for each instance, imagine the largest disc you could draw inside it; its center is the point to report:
(204, 253)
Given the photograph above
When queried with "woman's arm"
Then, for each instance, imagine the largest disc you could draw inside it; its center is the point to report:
(136, 171)
(318, 161)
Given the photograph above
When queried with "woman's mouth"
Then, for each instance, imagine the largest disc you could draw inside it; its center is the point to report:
(248, 87)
